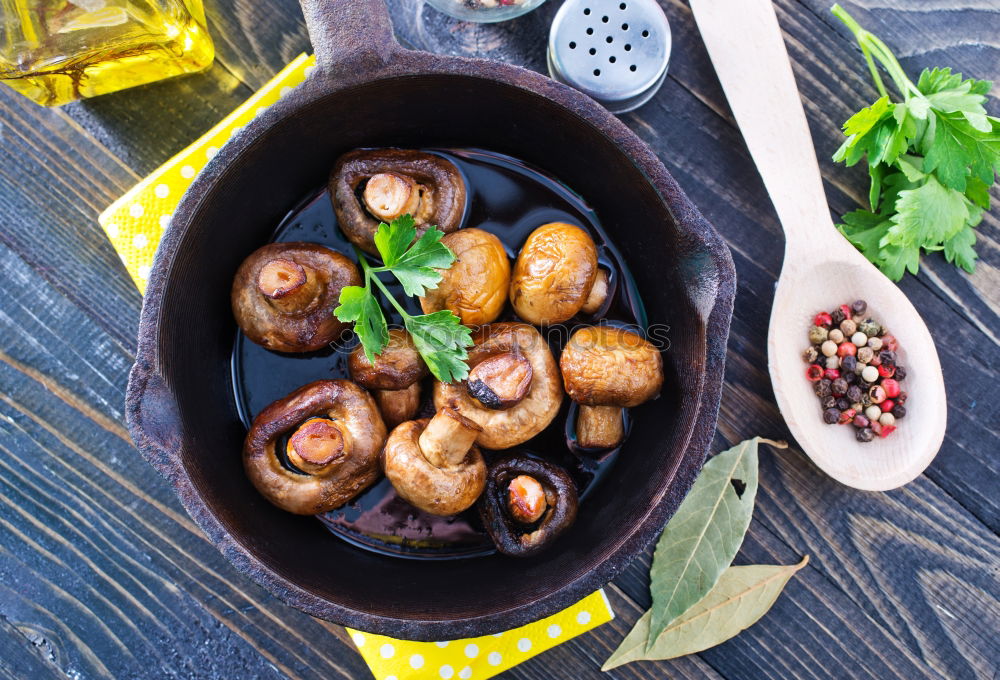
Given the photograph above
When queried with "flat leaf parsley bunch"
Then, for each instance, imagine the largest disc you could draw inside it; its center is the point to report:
(440, 337)
(932, 159)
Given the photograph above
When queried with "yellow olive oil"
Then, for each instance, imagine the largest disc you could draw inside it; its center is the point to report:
(57, 51)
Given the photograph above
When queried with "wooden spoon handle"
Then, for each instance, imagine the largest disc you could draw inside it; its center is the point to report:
(748, 52)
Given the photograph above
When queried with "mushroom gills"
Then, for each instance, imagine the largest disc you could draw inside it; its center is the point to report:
(500, 381)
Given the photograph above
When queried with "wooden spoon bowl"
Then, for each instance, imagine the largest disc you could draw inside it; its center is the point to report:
(821, 269)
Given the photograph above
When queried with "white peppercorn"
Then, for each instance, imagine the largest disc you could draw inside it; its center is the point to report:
(847, 327)
(865, 355)
(869, 374)
(873, 412)
(810, 355)
(836, 335)
(832, 362)
(859, 339)
(875, 343)
(829, 348)
(887, 419)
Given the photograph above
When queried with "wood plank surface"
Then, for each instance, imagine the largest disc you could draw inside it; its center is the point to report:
(103, 575)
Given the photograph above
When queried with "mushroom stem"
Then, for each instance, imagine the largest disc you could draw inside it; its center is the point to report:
(388, 196)
(599, 427)
(501, 381)
(398, 406)
(288, 285)
(526, 499)
(315, 445)
(598, 294)
(447, 438)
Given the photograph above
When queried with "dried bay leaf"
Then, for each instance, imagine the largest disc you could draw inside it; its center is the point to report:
(739, 599)
(702, 538)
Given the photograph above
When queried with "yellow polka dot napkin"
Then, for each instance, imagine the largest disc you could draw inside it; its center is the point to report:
(134, 224)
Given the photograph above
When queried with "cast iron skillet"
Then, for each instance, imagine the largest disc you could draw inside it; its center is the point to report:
(369, 91)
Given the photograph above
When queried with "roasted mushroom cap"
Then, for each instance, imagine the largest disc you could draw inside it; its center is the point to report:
(331, 434)
(284, 294)
(369, 186)
(393, 378)
(556, 275)
(434, 464)
(515, 344)
(475, 287)
(606, 368)
(527, 504)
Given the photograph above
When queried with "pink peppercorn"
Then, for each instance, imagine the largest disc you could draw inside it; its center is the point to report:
(814, 373)
(823, 319)
(847, 416)
(847, 349)
(889, 343)
(887, 430)
(891, 388)
(886, 371)
(887, 405)
(831, 374)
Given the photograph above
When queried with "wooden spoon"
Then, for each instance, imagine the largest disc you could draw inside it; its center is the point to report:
(821, 269)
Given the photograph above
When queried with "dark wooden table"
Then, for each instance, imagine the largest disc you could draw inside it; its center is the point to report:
(103, 575)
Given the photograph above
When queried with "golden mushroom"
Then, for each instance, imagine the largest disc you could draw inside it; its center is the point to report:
(513, 390)
(283, 292)
(606, 369)
(434, 464)
(475, 287)
(392, 183)
(556, 275)
(331, 433)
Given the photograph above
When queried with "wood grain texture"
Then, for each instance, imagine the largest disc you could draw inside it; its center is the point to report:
(103, 575)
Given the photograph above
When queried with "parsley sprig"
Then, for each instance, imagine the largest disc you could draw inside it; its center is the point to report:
(440, 337)
(932, 158)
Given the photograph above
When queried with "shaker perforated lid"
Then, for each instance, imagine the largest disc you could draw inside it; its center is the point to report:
(616, 51)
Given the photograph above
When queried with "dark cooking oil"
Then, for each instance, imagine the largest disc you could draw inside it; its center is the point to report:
(509, 199)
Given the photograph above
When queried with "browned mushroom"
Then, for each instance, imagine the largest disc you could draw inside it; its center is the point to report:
(527, 504)
(556, 275)
(315, 449)
(434, 464)
(283, 295)
(605, 369)
(393, 183)
(513, 391)
(394, 377)
(475, 287)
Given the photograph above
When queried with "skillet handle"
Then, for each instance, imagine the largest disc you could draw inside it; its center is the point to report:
(348, 35)
(153, 418)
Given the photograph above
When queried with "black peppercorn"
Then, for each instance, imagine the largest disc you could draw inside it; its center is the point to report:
(899, 411)
(838, 316)
(851, 378)
(854, 393)
(831, 416)
(839, 386)
(887, 357)
(843, 404)
(848, 364)
(901, 399)
(900, 373)
(822, 388)
(864, 434)
(828, 401)
(859, 307)
(861, 420)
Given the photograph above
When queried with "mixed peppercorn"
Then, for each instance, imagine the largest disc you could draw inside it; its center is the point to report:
(853, 368)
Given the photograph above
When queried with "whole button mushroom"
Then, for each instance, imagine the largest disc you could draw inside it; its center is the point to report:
(606, 369)
(393, 378)
(556, 275)
(434, 464)
(284, 293)
(513, 390)
(330, 434)
(475, 287)
(392, 183)
(527, 504)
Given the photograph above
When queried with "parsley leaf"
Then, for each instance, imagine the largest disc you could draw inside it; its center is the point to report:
(440, 338)
(932, 159)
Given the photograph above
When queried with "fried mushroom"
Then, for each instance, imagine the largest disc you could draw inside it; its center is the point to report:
(315, 449)
(369, 186)
(606, 369)
(283, 295)
(505, 357)
(556, 275)
(527, 504)
(393, 378)
(475, 287)
(434, 464)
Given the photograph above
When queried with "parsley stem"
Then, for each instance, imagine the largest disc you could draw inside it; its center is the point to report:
(872, 46)
(371, 275)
